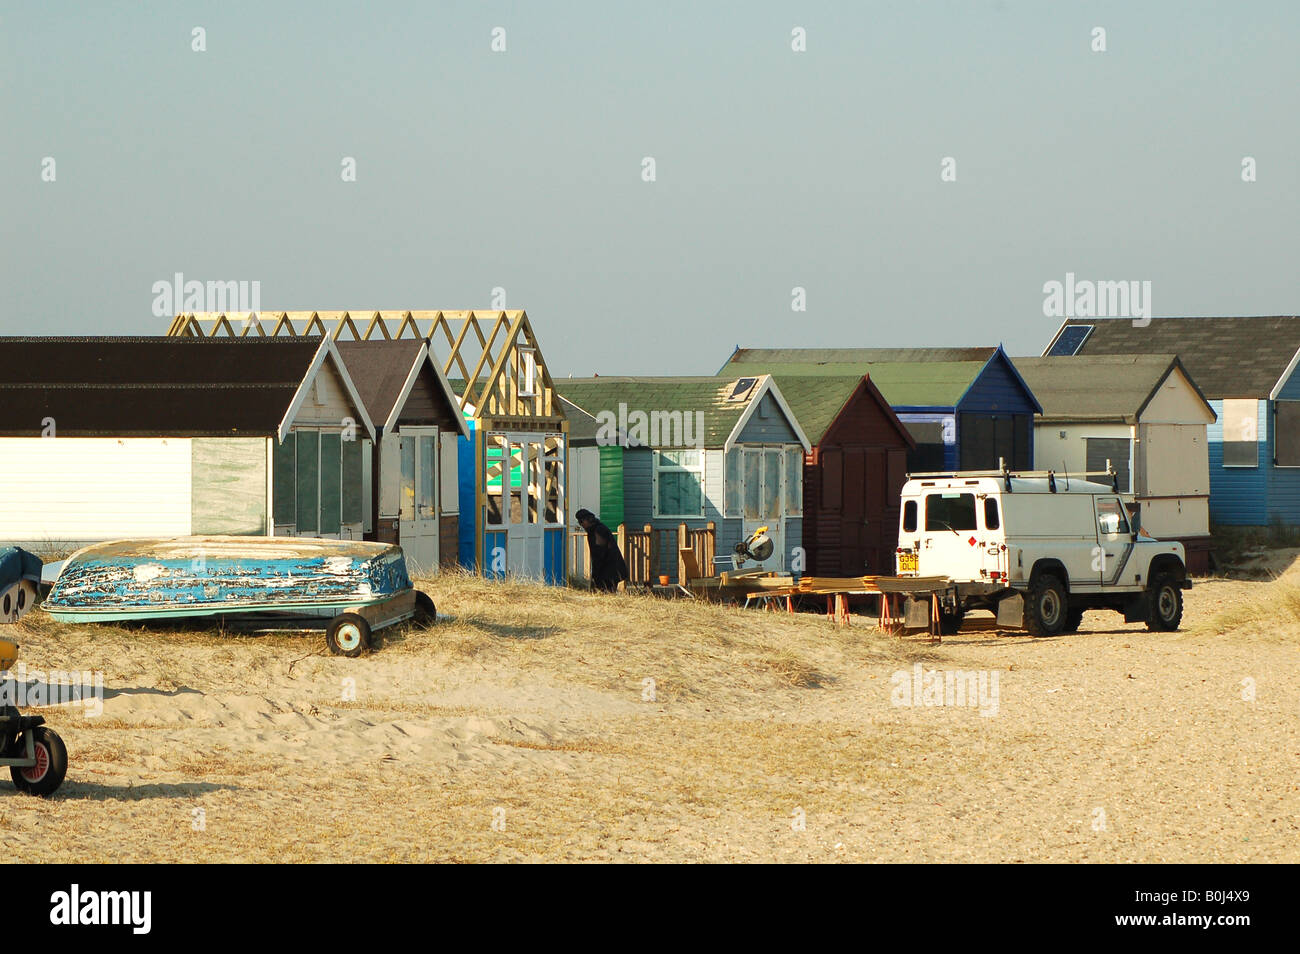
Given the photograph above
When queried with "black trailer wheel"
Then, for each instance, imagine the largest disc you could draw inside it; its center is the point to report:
(950, 622)
(1164, 604)
(426, 614)
(348, 635)
(51, 763)
(1046, 606)
(1073, 620)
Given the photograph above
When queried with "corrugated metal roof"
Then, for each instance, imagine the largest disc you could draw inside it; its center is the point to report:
(1226, 357)
(685, 394)
(149, 386)
(1094, 387)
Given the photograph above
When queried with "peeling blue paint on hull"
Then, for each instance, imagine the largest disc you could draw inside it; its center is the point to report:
(225, 576)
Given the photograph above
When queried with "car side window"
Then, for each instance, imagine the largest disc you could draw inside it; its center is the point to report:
(909, 517)
(991, 521)
(1110, 517)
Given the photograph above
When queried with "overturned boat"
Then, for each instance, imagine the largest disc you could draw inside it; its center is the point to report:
(349, 588)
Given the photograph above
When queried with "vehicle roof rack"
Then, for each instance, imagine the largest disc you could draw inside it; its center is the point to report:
(1006, 475)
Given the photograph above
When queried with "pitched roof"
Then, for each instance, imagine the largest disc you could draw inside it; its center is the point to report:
(1226, 357)
(709, 396)
(150, 386)
(854, 356)
(383, 372)
(903, 383)
(817, 401)
(583, 427)
(1105, 387)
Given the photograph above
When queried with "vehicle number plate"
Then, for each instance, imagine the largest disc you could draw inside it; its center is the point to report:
(907, 563)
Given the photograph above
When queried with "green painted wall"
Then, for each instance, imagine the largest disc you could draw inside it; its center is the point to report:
(611, 486)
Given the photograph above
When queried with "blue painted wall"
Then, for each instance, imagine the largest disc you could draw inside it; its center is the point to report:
(768, 425)
(467, 492)
(1238, 495)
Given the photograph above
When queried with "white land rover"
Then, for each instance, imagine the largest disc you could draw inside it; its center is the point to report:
(1038, 550)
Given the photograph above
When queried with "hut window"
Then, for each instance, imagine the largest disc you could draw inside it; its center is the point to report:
(553, 475)
(527, 372)
(679, 483)
(1286, 426)
(733, 503)
(406, 488)
(495, 463)
(794, 481)
(1240, 433)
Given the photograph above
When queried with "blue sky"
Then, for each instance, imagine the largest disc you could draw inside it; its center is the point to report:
(775, 169)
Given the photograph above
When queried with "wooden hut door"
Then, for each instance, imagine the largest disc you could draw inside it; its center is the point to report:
(525, 510)
(853, 530)
(418, 498)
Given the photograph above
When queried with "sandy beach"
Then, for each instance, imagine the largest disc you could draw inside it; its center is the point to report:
(536, 724)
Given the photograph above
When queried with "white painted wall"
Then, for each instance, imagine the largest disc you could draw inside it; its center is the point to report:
(584, 479)
(63, 491)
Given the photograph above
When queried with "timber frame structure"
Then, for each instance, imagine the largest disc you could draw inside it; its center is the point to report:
(506, 394)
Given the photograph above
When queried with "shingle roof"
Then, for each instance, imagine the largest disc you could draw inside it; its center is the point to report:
(379, 370)
(138, 386)
(854, 356)
(685, 394)
(1096, 387)
(1226, 357)
(903, 383)
(817, 400)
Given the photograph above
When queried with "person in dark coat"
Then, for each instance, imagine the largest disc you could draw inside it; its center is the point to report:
(608, 568)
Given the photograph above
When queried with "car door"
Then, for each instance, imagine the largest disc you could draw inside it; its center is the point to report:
(950, 535)
(1114, 541)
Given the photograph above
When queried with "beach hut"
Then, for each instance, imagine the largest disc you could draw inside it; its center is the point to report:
(1246, 368)
(414, 499)
(697, 451)
(511, 469)
(852, 476)
(1144, 415)
(966, 408)
(103, 438)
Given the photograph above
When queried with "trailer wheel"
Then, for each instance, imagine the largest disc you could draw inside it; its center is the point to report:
(1073, 620)
(348, 635)
(1165, 604)
(1046, 606)
(51, 764)
(426, 614)
(950, 623)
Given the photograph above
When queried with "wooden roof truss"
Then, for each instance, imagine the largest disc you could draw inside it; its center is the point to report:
(494, 352)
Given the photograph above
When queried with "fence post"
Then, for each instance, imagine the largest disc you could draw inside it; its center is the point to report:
(681, 545)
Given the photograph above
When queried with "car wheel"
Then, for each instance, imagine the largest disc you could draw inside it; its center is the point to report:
(1046, 606)
(1164, 604)
(1073, 620)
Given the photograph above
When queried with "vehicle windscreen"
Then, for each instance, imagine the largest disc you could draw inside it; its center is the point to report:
(950, 511)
